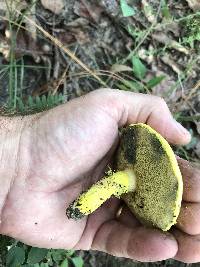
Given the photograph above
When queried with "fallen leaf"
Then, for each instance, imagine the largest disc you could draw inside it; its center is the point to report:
(110, 6)
(146, 55)
(172, 26)
(10, 7)
(81, 35)
(80, 10)
(79, 29)
(127, 10)
(24, 45)
(164, 39)
(65, 37)
(54, 6)
(92, 9)
(148, 11)
(120, 68)
(194, 4)
(80, 22)
(171, 63)
(162, 89)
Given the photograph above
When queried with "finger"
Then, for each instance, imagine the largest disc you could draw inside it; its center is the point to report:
(128, 107)
(105, 213)
(188, 247)
(191, 181)
(127, 218)
(189, 218)
(139, 243)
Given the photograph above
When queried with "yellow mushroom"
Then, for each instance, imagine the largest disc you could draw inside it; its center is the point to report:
(148, 180)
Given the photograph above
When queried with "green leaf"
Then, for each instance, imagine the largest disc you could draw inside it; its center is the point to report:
(30, 265)
(165, 10)
(64, 263)
(44, 100)
(15, 257)
(139, 68)
(49, 258)
(20, 105)
(131, 86)
(30, 101)
(122, 87)
(77, 261)
(44, 264)
(127, 10)
(57, 255)
(155, 81)
(38, 102)
(69, 252)
(36, 255)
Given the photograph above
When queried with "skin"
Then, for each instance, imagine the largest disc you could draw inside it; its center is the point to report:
(49, 158)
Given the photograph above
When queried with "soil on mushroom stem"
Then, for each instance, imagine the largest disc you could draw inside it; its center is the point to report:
(97, 33)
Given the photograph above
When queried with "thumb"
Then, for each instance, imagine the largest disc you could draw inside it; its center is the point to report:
(154, 111)
(168, 127)
(127, 107)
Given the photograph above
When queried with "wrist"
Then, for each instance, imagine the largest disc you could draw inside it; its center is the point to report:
(10, 135)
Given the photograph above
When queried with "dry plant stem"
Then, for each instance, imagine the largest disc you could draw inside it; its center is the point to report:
(116, 184)
(65, 49)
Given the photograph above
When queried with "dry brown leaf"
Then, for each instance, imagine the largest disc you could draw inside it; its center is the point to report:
(10, 6)
(93, 9)
(148, 11)
(65, 37)
(80, 22)
(24, 45)
(164, 39)
(81, 36)
(171, 63)
(194, 4)
(79, 29)
(172, 26)
(120, 68)
(162, 89)
(54, 6)
(148, 57)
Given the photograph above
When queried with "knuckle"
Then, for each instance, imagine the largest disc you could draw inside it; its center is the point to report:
(161, 102)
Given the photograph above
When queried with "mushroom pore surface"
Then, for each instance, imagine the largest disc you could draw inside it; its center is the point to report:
(157, 199)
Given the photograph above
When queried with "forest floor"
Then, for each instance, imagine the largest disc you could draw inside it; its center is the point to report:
(54, 50)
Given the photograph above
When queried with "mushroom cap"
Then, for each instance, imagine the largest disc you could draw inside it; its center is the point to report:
(159, 186)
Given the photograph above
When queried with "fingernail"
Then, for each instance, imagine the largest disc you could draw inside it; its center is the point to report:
(182, 130)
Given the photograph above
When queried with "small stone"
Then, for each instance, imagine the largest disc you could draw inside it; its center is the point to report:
(46, 48)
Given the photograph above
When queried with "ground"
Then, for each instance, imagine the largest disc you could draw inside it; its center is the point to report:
(53, 51)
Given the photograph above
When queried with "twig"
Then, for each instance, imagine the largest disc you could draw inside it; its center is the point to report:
(65, 49)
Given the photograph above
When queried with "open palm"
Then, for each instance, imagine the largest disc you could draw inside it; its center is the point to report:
(61, 153)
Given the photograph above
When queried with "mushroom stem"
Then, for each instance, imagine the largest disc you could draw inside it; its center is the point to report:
(116, 184)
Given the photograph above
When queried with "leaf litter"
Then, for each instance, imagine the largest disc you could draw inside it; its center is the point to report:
(102, 34)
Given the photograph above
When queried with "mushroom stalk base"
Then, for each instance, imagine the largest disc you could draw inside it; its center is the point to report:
(116, 184)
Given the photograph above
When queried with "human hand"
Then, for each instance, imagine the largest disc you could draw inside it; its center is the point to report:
(61, 153)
